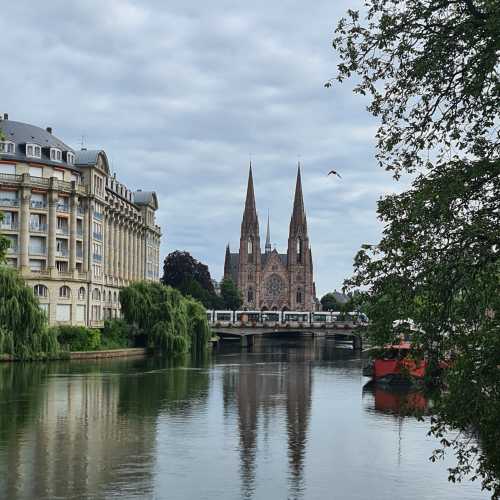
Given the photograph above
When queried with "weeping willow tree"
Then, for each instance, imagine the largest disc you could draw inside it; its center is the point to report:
(172, 323)
(24, 333)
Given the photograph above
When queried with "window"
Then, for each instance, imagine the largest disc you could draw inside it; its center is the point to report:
(96, 313)
(65, 292)
(33, 151)
(62, 266)
(7, 147)
(97, 271)
(81, 293)
(80, 313)
(38, 200)
(63, 312)
(36, 171)
(7, 169)
(41, 291)
(55, 154)
(250, 295)
(114, 297)
(45, 309)
(299, 250)
(37, 266)
(37, 245)
(109, 296)
(97, 231)
(299, 296)
(59, 174)
(98, 184)
(96, 294)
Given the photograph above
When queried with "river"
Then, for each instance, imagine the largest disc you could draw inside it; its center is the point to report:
(290, 419)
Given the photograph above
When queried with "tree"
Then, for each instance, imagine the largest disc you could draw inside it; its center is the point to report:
(431, 70)
(330, 303)
(172, 323)
(230, 294)
(24, 333)
(180, 267)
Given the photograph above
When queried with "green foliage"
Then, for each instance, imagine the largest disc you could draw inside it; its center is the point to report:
(23, 325)
(172, 322)
(191, 277)
(4, 242)
(230, 294)
(116, 334)
(432, 71)
(78, 338)
(330, 303)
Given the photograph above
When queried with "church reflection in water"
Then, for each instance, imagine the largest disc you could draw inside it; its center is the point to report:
(262, 391)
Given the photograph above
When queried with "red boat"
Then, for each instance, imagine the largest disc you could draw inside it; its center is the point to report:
(395, 365)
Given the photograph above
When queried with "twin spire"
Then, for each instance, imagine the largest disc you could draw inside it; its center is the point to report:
(250, 218)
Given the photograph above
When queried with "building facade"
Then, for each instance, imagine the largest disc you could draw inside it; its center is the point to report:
(272, 280)
(77, 235)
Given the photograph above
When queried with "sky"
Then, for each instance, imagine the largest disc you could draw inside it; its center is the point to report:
(181, 95)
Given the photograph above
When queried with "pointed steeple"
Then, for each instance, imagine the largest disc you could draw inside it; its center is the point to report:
(268, 236)
(227, 262)
(250, 213)
(299, 213)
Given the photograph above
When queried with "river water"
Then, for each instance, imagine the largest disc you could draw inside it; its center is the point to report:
(290, 419)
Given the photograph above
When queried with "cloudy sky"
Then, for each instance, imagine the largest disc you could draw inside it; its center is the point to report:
(179, 94)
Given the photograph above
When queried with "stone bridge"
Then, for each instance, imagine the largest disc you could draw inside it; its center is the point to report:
(247, 334)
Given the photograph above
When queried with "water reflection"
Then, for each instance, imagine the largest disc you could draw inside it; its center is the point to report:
(289, 419)
(280, 385)
(396, 400)
(87, 430)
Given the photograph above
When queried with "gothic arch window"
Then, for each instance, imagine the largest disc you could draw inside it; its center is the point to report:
(65, 292)
(81, 293)
(250, 249)
(299, 250)
(300, 296)
(96, 294)
(250, 295)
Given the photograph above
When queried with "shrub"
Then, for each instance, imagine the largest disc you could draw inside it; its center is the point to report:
(116, 334)
(78, 338)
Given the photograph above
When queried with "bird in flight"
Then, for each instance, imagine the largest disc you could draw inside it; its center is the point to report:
(335, 173)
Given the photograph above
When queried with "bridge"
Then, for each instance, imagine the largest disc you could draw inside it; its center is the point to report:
(247, 334)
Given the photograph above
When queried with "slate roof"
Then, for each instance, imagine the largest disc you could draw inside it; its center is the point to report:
(87, 157)
(21, 133)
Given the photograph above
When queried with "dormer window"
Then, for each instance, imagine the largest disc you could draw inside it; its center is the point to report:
(33, 151)
(55, 154)
(70, 158)
(7, 147)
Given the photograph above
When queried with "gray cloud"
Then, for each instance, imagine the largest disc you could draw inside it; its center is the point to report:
(180, 93)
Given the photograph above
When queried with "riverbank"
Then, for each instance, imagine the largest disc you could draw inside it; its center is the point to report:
(76, 355)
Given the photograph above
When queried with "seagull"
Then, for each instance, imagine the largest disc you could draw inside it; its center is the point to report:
(335, 173)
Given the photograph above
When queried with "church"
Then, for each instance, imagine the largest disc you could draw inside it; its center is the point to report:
(271, 280)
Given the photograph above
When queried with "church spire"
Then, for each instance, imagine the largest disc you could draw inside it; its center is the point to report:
(250, 213)
(268, 236)
(299, 213)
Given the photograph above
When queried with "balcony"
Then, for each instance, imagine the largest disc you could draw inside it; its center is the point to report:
(79, 253)
(11, 226)
(80, 210)
(97, 258)
(37, 204)
(79, 232)
(9, 202)
(62, 253)
(97, 236)
(38, 227)
(62, 207)
(64, 231)
(37, 251)
(98, 216)
(12, 249)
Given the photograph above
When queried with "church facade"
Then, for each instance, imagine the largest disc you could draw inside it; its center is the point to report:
(271, 280)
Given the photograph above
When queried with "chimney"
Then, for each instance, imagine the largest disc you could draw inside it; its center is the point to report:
(49, 130)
